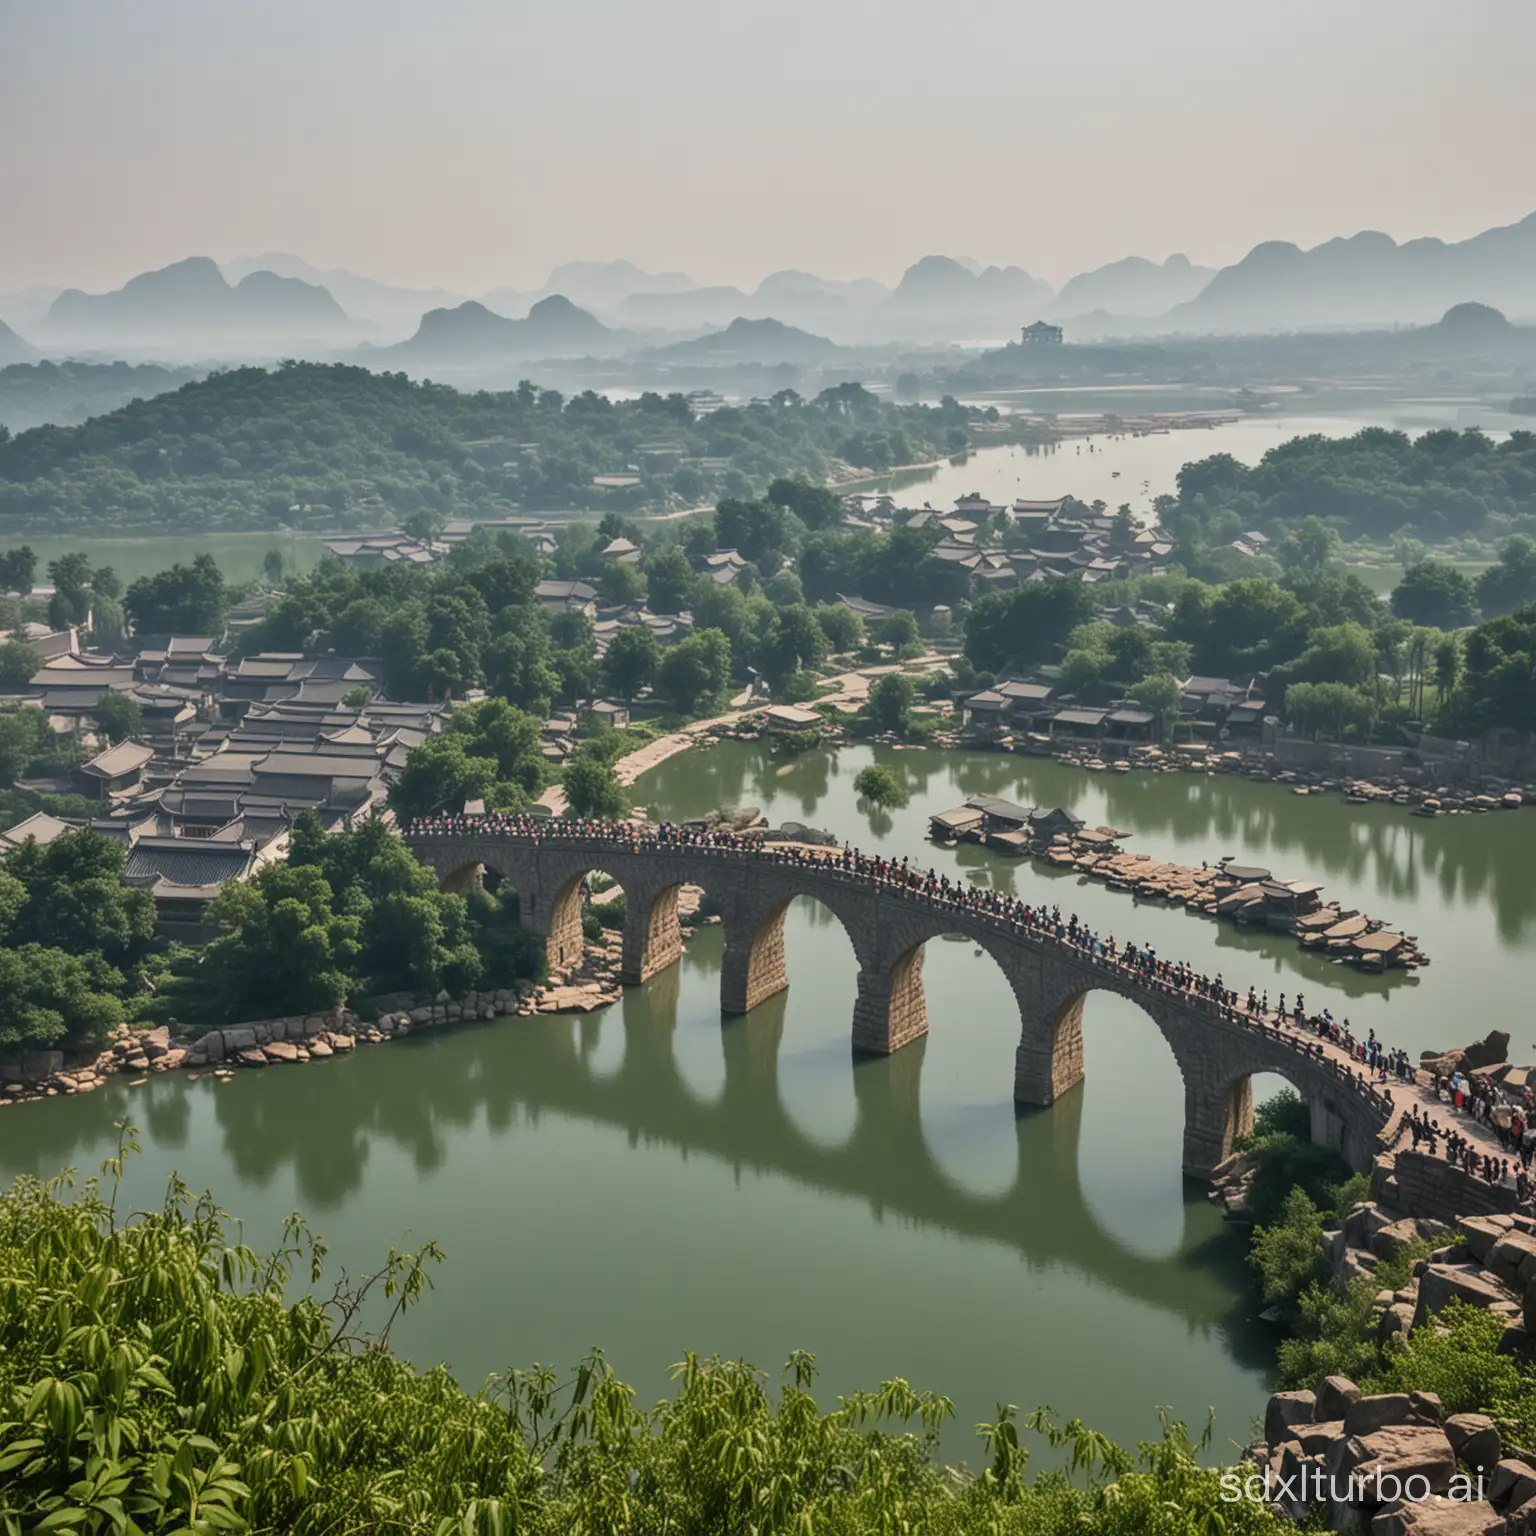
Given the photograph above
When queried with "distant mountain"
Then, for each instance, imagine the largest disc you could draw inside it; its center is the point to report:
(606, 284)
(940, 297)
(191, 300)
(471, 333)
(594, 285)
(1367, 279)
(717, 305)
(27, 306)
(363, 298)
(1133, 286)
(793, 285)
(13, 349)
(743, 340)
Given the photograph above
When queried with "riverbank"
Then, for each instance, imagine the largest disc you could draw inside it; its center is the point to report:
(134, 1054)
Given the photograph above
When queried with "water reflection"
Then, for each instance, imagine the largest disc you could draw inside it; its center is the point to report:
(1465, 885)
(421, 1094)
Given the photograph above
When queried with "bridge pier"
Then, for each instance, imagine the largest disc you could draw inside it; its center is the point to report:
(890, 1010)
(1049, 1061)
(1213, 1120)
(564, 943)
(752, 967)
(653, 937)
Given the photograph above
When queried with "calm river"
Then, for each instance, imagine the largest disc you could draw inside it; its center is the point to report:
(651, 1181)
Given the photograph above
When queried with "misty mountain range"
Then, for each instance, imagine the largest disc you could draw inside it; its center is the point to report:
(278, 301)
(192, 299)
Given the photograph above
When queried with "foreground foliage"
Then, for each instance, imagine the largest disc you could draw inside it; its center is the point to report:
(156, 1377)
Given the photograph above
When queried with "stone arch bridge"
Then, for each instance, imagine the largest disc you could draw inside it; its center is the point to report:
(1217, 1049)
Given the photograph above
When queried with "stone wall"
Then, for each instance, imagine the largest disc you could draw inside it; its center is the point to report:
(1416, 1184)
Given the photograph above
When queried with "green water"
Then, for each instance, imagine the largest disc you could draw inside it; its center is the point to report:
(651, 1181)
(240, 555)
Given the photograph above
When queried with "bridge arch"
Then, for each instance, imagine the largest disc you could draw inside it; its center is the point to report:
(889, 924)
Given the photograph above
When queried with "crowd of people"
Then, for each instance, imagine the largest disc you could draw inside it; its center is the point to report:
(1142, 962)
(1376, 1063)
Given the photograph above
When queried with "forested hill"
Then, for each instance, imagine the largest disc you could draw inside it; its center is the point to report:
(1377, 485)
(327, 446)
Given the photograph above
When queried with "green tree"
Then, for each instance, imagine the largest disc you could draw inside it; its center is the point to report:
(272, 566)
(817, 506)
(18, 570)
(185, 600)
(77, 902)
(440, 775)
(19, 664)
(1130, 652)
(1498, 682)
(694, 673)
(118, 716)
(843, 628)
(1434, 594)
(1083, 673)
(1447, 665)
(880, 786)
(899, 631)
(630, 661)
(1311, 546)
(1330, 709)
(51, 998)
(1512, 582)
(621, 584)
(591, 787)
(1160, 692)
(890, 702)
(108, 622)
(1022, 626)
(670, 579)
(796, 642)
(756, 528)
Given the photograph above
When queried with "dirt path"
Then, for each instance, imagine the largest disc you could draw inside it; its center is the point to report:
(852, 688)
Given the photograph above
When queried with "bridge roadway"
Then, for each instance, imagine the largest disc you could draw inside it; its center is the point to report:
(889, 920)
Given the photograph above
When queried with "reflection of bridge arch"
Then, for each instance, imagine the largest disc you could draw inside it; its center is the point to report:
(888, 924)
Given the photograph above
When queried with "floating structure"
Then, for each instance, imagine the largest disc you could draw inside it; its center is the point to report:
(1245, 894)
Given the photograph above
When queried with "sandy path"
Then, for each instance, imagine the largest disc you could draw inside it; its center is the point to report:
(852, 688)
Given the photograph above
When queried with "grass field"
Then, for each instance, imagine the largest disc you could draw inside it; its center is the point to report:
(239, 554)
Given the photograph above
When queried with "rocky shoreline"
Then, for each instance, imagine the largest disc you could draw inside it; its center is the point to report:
(137, 1054)
(1331, 1449)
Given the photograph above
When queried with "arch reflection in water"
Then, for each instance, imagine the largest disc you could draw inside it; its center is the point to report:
(624, 1206)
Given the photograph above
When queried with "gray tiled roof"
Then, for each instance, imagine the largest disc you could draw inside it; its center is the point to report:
(191, 863)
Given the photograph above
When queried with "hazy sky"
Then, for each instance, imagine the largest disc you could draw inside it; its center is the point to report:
(477, 142)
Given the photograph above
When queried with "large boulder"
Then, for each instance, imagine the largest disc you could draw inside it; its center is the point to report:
(1487, 1052)
(238, 1039)
(1482, 1232)
(1448, 1517)
(1393, 1239)
(1335, 1395)
(38, 1066)
(1286, 1409)
(1367, 1415)
(1512, 1483)
(1317, 1439)
(1442, 1283)
(1362, 1223)
(1401, 1452)
(1513, 1259)
(1475, 1440)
